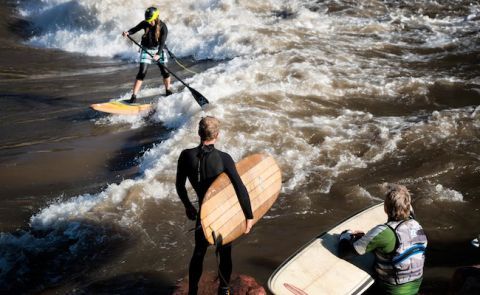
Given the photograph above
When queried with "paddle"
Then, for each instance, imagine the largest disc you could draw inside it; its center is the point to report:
(202, 100)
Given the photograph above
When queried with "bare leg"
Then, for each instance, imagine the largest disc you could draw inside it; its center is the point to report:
(136, 89)
(136, 86)
(167, 82)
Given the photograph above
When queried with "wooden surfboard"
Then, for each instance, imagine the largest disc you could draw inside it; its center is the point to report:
(221, 212)
(317, 269)
(122, 107)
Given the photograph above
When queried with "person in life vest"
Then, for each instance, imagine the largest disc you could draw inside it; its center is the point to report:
(201, 165)
(153, 40)
(399, 245)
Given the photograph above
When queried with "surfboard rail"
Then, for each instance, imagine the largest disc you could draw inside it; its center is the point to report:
(316, 267)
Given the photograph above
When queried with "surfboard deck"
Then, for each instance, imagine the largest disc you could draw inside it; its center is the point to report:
(122, 107)
(317, 269)
(221, 212)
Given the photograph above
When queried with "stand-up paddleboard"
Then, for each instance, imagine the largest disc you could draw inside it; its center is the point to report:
(122, 107)
(317, 269)
(221, 212)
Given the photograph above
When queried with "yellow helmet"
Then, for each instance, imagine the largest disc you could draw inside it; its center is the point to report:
(151, 14)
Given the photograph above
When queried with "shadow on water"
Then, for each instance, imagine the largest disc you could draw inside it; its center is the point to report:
(20, 27)
(52, 259)
(464, 94)
(40, 259)
(131, 283)
(136, 145)
(464, 255)
(65, 15)
(265, 262)
(25, 101)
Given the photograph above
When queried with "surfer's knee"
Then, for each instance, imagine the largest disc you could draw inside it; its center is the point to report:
(142, 72)
(164, 73)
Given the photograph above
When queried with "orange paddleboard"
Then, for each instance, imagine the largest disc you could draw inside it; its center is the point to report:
(122, 107)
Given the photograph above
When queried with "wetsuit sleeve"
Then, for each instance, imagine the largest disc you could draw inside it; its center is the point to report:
(240, 189)
(137, 28)
(163, 38)
(181, 180)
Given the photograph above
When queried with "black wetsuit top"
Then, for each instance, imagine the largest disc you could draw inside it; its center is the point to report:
(148, 40)
(202, 165)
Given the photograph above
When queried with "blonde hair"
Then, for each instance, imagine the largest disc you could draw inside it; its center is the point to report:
(398, 202)
(208, 128)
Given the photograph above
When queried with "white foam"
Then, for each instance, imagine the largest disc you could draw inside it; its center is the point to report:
(134, 121)
(360, 192)
(446, 194)
(79, 206)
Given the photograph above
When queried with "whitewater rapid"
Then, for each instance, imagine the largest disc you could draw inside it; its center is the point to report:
(326, 88)
(284, 74)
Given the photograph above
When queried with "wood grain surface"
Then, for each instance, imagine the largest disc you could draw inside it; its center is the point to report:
(221, 212)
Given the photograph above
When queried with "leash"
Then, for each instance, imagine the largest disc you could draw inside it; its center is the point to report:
(218, 244)
(178, 63)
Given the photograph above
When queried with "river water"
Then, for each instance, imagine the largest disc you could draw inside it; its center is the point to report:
(346, 95)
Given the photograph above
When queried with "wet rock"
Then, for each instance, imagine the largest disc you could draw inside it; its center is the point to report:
(240, 285)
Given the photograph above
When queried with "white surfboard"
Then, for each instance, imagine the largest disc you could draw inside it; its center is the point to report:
(317, 269)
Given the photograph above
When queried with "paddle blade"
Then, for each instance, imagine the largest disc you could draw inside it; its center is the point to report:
(202, 100)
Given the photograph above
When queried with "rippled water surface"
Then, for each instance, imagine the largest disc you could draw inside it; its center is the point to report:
(346, 95)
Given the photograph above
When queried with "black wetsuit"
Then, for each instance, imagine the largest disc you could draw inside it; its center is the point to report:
(150, 42)
(202, 165)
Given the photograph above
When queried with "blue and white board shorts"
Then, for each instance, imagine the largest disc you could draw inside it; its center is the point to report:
(147, 59)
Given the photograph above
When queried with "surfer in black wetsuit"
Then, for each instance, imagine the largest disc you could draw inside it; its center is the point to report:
(153, 40)
(201, 165)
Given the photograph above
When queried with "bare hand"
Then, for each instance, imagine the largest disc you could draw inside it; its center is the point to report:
(156, 57)
(357, 235)
(249, 224)
(125, 34)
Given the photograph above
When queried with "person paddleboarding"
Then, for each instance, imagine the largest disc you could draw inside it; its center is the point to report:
(153, 40)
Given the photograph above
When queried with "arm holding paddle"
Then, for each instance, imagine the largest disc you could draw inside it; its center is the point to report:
(133, 30)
